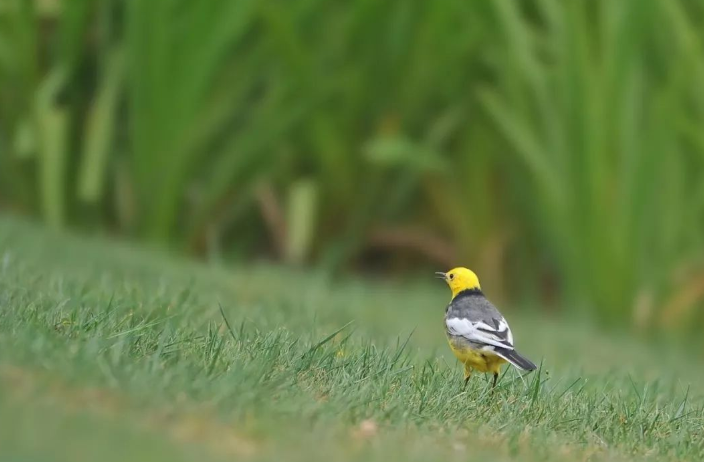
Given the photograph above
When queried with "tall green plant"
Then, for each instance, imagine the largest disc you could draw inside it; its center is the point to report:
(524, 139)
(593, 125)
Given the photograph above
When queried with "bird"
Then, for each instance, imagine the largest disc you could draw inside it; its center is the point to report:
(477, 332)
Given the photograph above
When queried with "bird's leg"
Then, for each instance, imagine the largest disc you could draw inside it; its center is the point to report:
(467, 374)
(496, 377)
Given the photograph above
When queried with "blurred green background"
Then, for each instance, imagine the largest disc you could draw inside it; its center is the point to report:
(555, 147)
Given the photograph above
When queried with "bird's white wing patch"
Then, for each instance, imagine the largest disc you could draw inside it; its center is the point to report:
(503, 326)
(482, 333)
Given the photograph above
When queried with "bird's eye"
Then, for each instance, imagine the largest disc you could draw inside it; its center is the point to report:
(452, 276)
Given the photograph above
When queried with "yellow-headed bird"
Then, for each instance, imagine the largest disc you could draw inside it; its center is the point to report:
(478, 334)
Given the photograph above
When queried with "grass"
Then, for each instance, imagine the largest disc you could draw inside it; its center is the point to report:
(113, 353)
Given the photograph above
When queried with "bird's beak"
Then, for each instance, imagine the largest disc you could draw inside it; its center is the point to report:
(440, 275)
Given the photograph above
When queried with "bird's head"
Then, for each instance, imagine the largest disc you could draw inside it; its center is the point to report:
(460, 279)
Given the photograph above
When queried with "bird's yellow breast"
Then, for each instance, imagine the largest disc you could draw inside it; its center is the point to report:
(482, 361)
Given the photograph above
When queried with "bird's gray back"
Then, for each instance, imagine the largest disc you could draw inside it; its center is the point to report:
(475, 307)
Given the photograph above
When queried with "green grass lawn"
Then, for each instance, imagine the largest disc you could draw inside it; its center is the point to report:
(113, 353)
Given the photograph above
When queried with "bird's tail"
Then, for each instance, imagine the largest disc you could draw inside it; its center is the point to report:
(516, 359)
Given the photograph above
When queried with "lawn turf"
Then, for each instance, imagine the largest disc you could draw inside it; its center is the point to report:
(110, 352)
